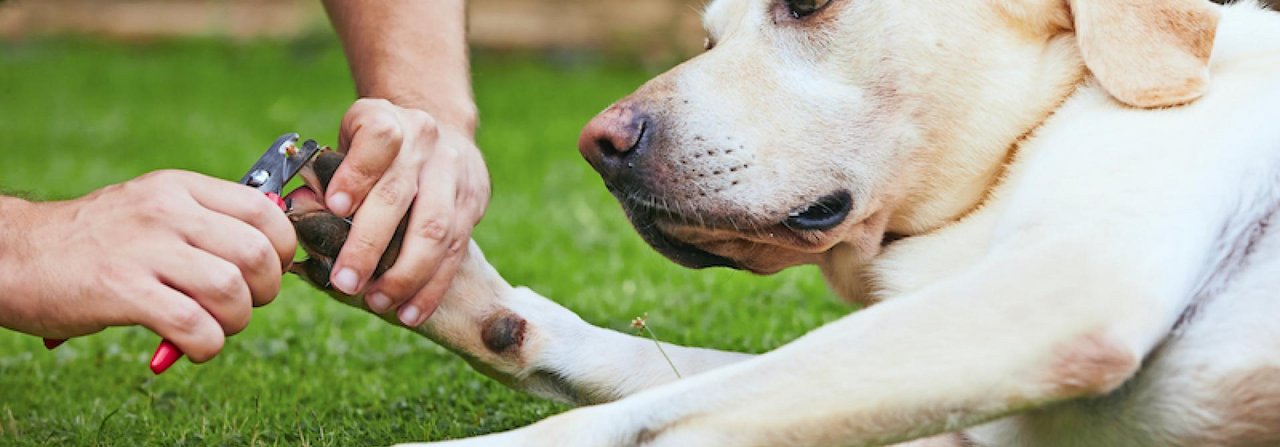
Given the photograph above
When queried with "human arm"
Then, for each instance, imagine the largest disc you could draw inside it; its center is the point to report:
(411, 151)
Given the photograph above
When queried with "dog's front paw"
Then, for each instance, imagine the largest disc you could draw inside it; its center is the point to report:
(321, 233)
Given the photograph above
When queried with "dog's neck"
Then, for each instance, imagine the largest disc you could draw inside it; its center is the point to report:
(967, 146)
(966, 152)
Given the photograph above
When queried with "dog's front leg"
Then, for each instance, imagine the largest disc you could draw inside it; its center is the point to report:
(1033, 323)
(532, 344)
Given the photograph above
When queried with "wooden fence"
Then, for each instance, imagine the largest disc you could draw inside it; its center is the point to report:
(526, 24)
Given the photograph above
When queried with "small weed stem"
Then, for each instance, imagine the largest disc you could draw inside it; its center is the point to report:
(641, 323)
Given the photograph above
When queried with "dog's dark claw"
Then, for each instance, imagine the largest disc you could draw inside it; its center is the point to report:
(314, 270)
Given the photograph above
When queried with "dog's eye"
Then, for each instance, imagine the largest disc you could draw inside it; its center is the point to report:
(802, 8)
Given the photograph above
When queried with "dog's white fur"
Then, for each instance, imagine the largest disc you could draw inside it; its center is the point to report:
(1082, 270)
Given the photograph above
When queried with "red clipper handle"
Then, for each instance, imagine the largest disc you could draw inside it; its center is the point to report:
(166, 355)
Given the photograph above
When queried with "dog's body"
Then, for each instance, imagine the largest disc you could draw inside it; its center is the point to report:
(1082, 267)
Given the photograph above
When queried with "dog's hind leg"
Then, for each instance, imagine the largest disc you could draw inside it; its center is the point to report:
(511, 334)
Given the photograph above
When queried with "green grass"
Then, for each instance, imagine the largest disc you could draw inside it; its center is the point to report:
(77, 115)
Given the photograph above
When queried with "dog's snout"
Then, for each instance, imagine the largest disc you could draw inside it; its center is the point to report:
(613, 140)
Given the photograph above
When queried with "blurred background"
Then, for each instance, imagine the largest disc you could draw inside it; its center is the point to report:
(656, 30)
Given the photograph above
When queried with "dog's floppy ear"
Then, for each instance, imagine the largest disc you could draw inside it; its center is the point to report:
(1147, 53)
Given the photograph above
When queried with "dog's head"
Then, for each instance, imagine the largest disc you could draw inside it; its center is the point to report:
(812, 124)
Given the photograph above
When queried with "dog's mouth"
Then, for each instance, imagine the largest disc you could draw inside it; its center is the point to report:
(687, 255)
(645, 220)
(760, 244)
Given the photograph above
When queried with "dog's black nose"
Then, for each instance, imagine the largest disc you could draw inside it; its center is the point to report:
(613, 140)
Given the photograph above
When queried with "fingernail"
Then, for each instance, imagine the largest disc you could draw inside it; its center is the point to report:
(409, 315)
(379, 302)
(340, 204)
(346, 281)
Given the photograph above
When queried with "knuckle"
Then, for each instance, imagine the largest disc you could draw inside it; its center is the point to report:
(258, 253)
(363, 107)
(227, 282)
(432, 228)
(417, 116)
(364, 244)
(391, 191)
(382, 127)
(162, 209)
(456, 246)
(186, 316)
(447, 154)
(423, 122)
(366, 173)
(260, 210)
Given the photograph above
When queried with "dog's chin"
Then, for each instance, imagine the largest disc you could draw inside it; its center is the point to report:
(682, 253)
(762, 252)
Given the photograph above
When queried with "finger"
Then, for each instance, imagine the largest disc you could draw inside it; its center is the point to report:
(381, 212)
(376, 138)
(424, 303)
(213, 283)
(244, 247)
(179, 319)
(249, 206)
(371, 232)
(426, 239)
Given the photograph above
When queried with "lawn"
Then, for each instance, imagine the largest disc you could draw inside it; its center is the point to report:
(76, 115)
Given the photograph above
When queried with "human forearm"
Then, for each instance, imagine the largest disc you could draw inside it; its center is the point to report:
(11, 210)
(410, 152)
(14, 314)
(411, 52)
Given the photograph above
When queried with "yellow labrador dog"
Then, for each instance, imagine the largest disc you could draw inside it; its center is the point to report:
(1063, 211)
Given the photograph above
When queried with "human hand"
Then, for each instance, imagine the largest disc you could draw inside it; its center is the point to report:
(401, 165)
(184, 255)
